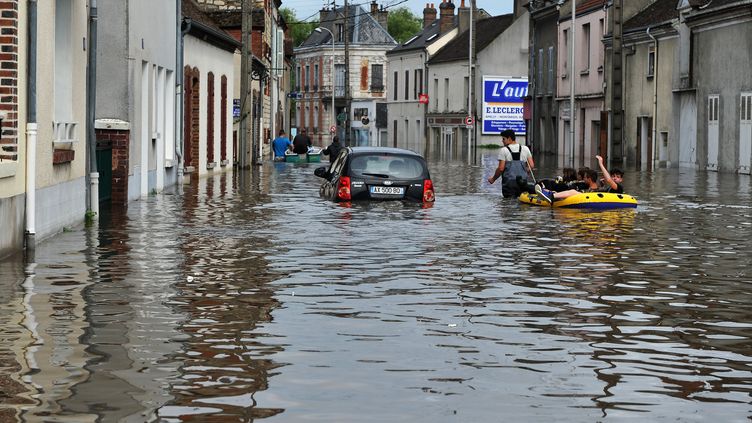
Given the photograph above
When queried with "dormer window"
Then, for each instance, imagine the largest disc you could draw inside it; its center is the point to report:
(340, 32)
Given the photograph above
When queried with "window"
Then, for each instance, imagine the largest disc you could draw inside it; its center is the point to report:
(651, 61)
(307, 79)
(713, 108)
(377, 77)
(395, 85)
(315, 77)
(436, 93)
(339, 75)
(746, 107)
(585, 48)
(223, 120)
(551, 67)
(63, 75)
(210, 119)
(565, 54)
(539, 88)
(359, 113)
(601, 47)
(407, 85)
(394, 133)
(467, 90)
(297, 78)
(418, 86)
(340, 32)
(446, 94)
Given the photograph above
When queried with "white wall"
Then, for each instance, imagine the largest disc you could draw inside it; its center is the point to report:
(208, 58)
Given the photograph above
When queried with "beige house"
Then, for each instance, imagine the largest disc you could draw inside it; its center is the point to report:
(368, 74)
(43, 155)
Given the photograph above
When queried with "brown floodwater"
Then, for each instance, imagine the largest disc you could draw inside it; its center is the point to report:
(245, 297)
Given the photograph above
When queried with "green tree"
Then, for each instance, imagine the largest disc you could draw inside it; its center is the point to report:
(402, 24)
(299, 31)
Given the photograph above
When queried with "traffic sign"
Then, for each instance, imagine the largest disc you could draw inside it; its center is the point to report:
(469, 121)
(333, 129)
(364, 120)
(342, 117)
(423, 98)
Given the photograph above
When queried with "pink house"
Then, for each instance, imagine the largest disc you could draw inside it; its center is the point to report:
(588, 73)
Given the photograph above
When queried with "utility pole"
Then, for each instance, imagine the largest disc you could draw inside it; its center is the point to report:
(245, 72)
(571, 87)
(348, 100)
(616, 149)
(471, 82)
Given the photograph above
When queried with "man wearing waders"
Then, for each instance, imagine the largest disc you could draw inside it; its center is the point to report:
(515, 161)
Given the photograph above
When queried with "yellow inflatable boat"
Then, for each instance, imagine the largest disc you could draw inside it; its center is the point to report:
(585, 200)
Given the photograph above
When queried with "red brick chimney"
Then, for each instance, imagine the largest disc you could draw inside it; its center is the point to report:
(429, 15)
(446, 12)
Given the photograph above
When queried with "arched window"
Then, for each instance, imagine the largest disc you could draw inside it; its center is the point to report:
(210, 118)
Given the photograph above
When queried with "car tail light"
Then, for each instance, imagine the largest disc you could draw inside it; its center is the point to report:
(428, 194)
(343, 188)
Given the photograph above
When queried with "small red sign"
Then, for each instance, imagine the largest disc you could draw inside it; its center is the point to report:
(333, 129)
(423, 98)
(469, 121)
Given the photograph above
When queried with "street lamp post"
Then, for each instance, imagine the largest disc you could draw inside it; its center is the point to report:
(334, 114)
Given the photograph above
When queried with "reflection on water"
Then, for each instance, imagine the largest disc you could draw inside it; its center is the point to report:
(246, 297)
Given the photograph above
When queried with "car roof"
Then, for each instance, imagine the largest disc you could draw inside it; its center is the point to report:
(386, 150)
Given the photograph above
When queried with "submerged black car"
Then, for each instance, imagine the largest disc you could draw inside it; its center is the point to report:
(376, 173)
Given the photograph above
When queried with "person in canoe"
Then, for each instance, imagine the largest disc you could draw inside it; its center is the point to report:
(612, 182)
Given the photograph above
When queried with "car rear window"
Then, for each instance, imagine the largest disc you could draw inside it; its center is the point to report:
(389, 165)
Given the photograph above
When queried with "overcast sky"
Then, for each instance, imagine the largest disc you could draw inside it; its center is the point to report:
(305, 8)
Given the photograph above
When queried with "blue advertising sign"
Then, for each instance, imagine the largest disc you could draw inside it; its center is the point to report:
(236, 107)
(502, 104)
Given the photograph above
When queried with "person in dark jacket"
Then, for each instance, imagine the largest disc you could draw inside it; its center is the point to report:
(333, 149)
(301, 142)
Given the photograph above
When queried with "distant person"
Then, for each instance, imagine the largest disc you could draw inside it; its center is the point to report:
(333, 149)
(301, 142)
(515, 161)
(281, 145)
(612, 182)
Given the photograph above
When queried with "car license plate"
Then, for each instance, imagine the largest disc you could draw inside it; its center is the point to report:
(387, 190)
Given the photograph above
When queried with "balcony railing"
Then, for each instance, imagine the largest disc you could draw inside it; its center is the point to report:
(339, 90)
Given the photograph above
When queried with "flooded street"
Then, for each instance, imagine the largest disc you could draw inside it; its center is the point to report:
(246, 297)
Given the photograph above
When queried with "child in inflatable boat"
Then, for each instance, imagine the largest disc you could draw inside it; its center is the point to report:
(612, 183)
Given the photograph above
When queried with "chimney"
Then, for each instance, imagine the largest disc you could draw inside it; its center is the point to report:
(322, 17)
(384, 18)
(446, 14)
(429, 15)
(463, 16)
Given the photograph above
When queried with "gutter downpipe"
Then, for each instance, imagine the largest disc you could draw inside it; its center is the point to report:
(31, 131)
(655, 97)
(92, 176)
(179, 88)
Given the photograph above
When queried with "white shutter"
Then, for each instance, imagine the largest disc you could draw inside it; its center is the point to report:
(280, 52)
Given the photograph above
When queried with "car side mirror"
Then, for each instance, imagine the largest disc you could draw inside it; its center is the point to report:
(321, 172)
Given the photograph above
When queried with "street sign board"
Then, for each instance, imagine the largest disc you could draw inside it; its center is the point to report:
(503, 104)
(469, 121)
(236, 107)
